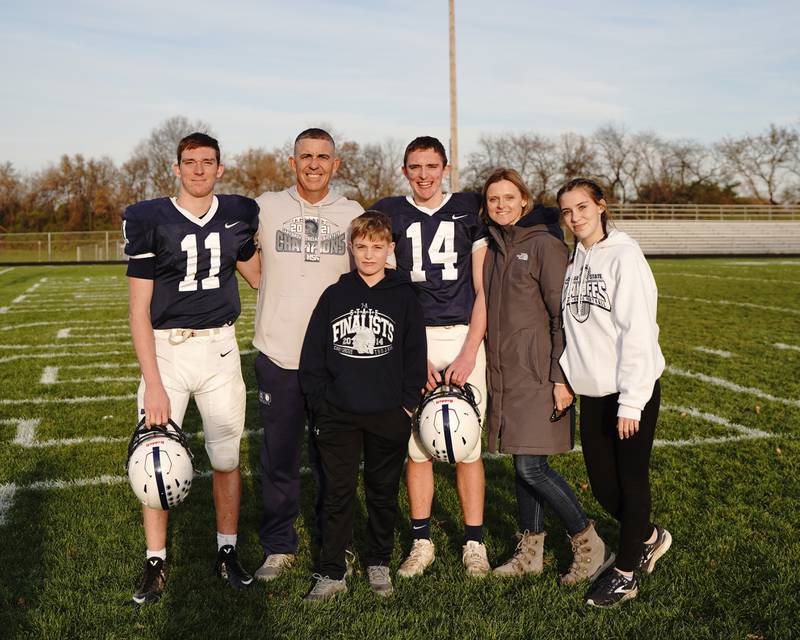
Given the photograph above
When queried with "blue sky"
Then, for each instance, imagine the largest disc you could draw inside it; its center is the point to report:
(95, 77)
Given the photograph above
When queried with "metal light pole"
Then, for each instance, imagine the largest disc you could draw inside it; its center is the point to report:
(453, 113)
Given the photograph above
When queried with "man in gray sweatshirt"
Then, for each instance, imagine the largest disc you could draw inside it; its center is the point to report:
(302, 234)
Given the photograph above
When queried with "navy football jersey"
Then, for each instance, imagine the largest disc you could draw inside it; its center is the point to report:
(191, 260)
(435, 250)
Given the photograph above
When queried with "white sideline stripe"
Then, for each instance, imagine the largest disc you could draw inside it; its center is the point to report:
(63, 355)
(80, 400)
(749, 305)
(786, 347)
(4, 271)
(714, 352)
(26, 325)
(33, 287)
(49, 375)
(713, 277)
(63, 333)
(56, 345)
(727, 384)
(19, 299)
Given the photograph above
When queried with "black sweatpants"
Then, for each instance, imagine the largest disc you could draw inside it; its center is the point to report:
(619, 470)
(340, 436)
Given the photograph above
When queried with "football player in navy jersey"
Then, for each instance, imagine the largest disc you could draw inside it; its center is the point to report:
(183, 253)
(441, 244)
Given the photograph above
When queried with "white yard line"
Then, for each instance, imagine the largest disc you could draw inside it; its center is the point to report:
(26, 433)
(793, 263)
(786, 347)
(19, 299)
(4, 271)
(749, 305)
(100, 365)
(29, 356)
(713, 277)
(63, 333)
(49, 375)
(7, 493)
(727, 384)
(94, 380)
(79, 400)
(28, 325)
(27, 347)
(714, 352)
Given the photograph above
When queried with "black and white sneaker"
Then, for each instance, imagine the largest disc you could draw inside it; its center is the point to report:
(152, 583)
(229, 569)
(653, 551)
(611, 589)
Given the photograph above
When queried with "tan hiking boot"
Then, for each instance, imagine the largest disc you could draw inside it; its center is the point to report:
(528, 558)
(421, 556)
(591, 557)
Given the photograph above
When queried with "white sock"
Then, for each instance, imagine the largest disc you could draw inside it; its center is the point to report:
(161, 553)
(224, 538)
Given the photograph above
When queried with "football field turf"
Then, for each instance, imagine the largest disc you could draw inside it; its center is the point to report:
(725, 479)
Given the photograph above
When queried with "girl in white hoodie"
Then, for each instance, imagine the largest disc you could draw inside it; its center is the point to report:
(613, 362)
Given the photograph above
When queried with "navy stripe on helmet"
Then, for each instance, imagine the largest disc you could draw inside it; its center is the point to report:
(162, 492)
(448, 437)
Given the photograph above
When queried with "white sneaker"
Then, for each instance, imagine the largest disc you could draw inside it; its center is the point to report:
(273, 565)
(474, 557)
(420, 557)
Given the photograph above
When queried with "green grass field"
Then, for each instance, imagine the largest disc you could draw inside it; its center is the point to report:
(725, 478)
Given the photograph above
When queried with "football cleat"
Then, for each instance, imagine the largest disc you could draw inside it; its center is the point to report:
(152, 583)
(449, 422)
(159, 465)
(229, 569)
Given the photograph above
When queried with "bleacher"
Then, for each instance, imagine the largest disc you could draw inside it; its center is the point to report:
(714, 237)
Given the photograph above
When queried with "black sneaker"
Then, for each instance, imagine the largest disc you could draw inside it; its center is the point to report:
(153, 580)
(653, 551)
(611, 589)
(228, 568)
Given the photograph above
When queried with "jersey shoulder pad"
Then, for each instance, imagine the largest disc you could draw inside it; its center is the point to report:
(466, 201)
(146, 210)
(239, 207)
(389, 206)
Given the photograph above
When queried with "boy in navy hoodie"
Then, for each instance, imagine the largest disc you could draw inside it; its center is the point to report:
(363, 363)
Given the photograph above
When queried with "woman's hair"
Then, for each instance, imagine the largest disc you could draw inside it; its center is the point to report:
(595, 192)
(513, 177)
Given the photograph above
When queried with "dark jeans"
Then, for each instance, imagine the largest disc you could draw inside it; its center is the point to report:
(340, 436)
(619, 470)
(536, 483)
(283, 418)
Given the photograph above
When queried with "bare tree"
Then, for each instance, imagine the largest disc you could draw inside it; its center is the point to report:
(577, 158)
(761, 161)
(11, 194)
(369, 172)
(615, 159)
(157, 151)
(534, 156)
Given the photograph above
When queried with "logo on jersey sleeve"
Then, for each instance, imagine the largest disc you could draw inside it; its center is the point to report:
(313, 237)
(363, 333)
(579, 300)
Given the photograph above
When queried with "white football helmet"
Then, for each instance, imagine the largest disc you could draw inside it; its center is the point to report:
(449, 422)
(159, 465)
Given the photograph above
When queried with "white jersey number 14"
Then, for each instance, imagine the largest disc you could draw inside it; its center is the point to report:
(441, 250)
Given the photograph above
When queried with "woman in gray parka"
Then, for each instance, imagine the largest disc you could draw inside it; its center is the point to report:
(530, 404)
